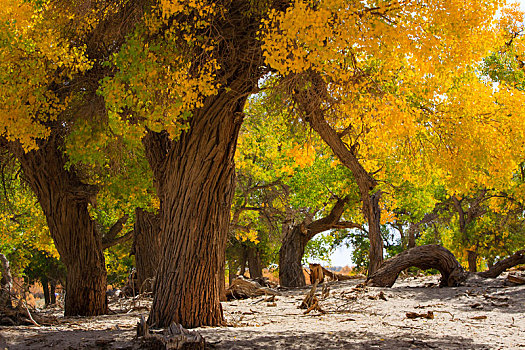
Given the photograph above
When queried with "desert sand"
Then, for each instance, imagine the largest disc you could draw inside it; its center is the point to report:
(482, 314)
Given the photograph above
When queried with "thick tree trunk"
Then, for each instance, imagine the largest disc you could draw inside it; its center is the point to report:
(254, 263)
(196, 184)
(290, 257)
(146, 248)
(423, 257)
(501, 266)
(64, 200)
(472, 257)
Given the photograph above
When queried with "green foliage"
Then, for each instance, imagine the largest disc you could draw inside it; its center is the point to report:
(319, 249)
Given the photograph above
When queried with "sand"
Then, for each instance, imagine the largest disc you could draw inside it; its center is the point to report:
(482, 314)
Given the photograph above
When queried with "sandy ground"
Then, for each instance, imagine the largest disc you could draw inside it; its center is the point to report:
(483, 314)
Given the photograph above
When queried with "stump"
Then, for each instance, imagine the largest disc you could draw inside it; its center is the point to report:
(424, 257)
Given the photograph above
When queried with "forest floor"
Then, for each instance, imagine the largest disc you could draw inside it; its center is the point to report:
(482, 314)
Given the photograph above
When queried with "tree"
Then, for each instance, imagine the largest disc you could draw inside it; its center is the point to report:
(51, 55)
(181, 71)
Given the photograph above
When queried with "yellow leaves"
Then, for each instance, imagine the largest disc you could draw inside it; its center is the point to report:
(249, 235)
(304, 155)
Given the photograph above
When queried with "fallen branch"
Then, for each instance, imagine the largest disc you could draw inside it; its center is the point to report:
(242, 289)
(423, 257)
(505, 264)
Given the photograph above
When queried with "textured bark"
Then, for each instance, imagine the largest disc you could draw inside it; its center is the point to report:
(196, 190)
(472, 257)
(501, 266)
(194, 177)
(52, 291)
(254, 263)
(290, 257)
(146, 248)
(64, 200)
(423, 257)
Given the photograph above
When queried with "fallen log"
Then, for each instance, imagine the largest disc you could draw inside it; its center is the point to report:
(339, 277)
(505, 264)
(424, 257)
(516, 279)
(242, 289)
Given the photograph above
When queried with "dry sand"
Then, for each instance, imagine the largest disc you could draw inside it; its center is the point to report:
(482, 314)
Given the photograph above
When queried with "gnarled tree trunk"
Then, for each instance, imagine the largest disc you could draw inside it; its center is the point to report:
(291, 256)
(195, 181)
(424, 257)
(64, 200)
(498, 268)
(146, 248)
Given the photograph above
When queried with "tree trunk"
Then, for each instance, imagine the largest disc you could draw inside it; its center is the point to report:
(231, 273)
(472, 257)
(6, 283)
(366, 183)
(64, 200)
(146, 248)
(195, 182)
(45, 288)
(222, 278)
(290, 257)
(52, 291)
(373, 215)
(423, 257)
(243, 261)
(254, 263)
(498, 268)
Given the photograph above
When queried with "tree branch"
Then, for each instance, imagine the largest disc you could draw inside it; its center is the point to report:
(110, 243)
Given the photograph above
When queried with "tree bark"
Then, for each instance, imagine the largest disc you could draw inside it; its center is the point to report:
(501, 266)
(472, 257)
(146, 248)
(423, 257)
(52, 291)
(45, 288)
(254, 263)
(290, 257)
(195, 183)
(243, 261)
(64, 200)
